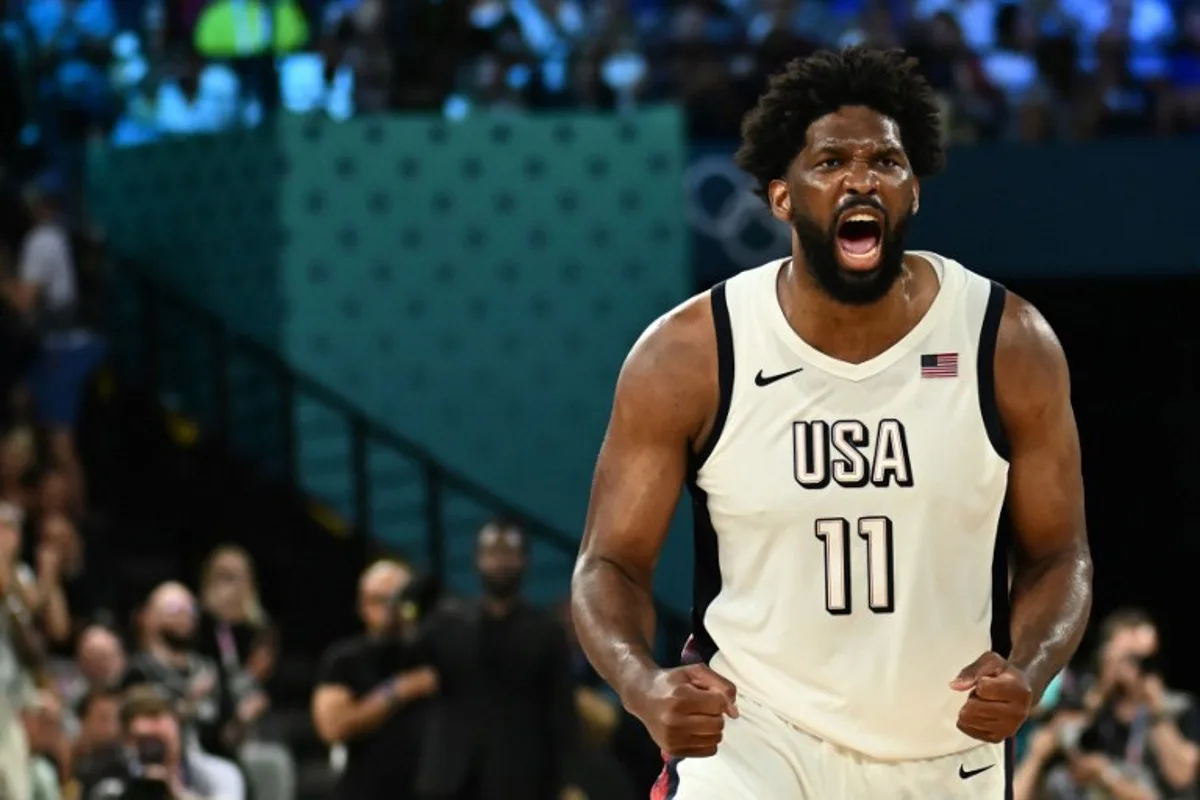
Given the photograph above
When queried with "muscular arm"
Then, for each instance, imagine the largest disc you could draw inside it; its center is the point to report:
(665, 398)
(1052, 584)
(338, 717)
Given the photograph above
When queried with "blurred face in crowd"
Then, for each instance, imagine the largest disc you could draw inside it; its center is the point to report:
(54, 493)
(228, 585)
(101, 657)
(500, 558)
(57, 531)
(849, 196)
(10, 534)
(171, 617)
(101, 725)
(16, 455)
(43, 723)
(1127, 649)
(378, 589)
(162, 727)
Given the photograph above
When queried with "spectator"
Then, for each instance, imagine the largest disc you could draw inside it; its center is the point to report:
(54, 495)
(1011, 67)
(46, 293)
(18, 457)
(234, 630)
(1124, 734)
(505, 724)
(49, 747)
(371, 693)
(101, 660)
(59, 562)
(236, 635)
(153, 750)
(19, 657)
(169, 663)
(99, 669)
(97, 748)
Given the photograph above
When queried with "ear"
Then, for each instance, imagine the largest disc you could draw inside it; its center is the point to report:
(779, 198)
(916, 204)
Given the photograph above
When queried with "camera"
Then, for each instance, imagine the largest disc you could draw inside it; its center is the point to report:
(139, 778)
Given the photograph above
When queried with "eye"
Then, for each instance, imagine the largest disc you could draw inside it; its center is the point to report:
(889, 163)
(830, 163)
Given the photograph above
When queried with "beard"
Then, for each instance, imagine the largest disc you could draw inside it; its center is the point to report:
(502, 585)
(178, 642)
(820, 249)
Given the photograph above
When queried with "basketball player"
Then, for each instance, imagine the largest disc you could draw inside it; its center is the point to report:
(851, 421)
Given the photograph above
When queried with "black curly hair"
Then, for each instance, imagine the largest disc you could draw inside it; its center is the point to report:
(807, 89)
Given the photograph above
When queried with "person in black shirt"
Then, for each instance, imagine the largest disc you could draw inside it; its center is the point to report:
(372, 693)
(504, 725)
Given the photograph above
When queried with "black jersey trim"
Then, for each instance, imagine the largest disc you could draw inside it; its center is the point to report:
(724, 331)
(706, 577)
(986, 367)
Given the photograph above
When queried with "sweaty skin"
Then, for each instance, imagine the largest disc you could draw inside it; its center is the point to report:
(666, 403)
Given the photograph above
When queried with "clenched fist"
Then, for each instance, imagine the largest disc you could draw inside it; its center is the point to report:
(999, 701)
(684, 709)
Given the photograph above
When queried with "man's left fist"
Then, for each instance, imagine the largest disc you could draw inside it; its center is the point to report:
(999, 701)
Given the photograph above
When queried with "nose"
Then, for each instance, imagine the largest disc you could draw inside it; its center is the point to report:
(861, 179)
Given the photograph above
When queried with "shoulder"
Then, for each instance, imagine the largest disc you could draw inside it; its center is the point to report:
(671, 372)
(46, 240)
(340, 657)
(346, 649)
(682, 338)
(1030, 365)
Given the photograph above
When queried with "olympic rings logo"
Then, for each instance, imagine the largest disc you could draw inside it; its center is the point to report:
(741, 223)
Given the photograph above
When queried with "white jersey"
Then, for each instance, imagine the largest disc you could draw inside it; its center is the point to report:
(848, 563)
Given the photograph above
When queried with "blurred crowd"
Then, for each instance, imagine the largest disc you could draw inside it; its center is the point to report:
(1113, 729)
(487, 698)
(93, 704)
(100, 691)
(135, 70)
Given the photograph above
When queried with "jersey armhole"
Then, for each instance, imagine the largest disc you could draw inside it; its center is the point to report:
(724, 332)
(986, 366)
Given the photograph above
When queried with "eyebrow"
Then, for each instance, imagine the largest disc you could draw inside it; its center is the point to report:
(838, 146)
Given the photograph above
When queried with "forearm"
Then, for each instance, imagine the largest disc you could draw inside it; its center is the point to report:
(56, 616)
(1121, 788)
(1051, 600)
(1027, 776)
(1177, 757)
(361, 718)
(614, 619)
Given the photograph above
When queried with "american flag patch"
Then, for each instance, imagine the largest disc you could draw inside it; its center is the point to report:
(939, 365)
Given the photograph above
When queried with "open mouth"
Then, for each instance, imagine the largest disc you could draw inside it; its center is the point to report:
(859, 238)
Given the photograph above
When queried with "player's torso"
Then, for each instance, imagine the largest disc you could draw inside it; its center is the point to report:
(855, 510)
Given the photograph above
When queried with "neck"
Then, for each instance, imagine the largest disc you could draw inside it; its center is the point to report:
(852, 333)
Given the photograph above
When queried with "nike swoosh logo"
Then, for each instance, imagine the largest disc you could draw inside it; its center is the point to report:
(767, 380)
(965, 773)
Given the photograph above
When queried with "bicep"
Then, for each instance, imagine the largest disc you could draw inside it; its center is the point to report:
(1045, 494)
(639, 475)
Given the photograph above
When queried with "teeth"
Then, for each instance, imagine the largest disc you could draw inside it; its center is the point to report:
(861, 218)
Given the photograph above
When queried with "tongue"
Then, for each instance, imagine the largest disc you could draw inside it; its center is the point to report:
(859, 246)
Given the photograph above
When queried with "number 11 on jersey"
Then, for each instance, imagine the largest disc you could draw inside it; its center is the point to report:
(834, 533)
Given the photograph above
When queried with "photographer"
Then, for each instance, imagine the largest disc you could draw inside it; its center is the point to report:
(371, 693)
(153, 765)
(1133, 739)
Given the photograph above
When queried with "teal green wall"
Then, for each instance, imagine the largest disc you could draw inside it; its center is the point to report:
(474, 285)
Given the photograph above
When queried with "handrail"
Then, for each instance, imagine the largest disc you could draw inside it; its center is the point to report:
(364, 430)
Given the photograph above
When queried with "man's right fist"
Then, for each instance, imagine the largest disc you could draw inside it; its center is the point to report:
(684, 709)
